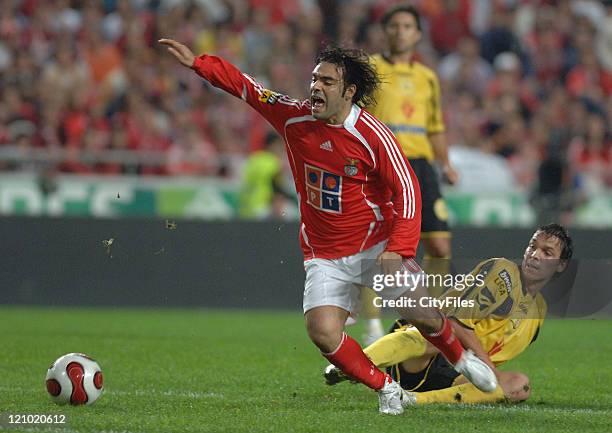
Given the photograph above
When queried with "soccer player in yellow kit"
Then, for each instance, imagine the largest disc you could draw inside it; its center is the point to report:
(408, 102)
(501, 317)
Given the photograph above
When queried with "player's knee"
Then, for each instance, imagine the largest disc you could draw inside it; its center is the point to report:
(427, 322)
(517, 387)
(325, 337)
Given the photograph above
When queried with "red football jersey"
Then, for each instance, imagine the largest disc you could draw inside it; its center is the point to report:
(355, 187)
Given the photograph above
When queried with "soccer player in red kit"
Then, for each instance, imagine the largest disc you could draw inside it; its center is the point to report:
(359, 203)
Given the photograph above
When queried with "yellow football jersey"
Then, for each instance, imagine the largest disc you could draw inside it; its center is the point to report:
(408, 102)
(505, 317)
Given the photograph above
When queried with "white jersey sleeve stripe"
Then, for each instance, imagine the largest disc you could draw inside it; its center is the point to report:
(258, 87)
(394, 153)
(395, 148)
(399, 173)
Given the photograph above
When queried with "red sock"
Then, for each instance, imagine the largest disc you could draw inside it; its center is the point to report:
(349, 358)
(446, 342)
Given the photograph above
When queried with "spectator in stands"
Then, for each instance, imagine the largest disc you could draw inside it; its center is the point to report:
(589, 79)
(604, 39)
(507, 93)
(500, 37)
(192, 155)
(449, 25)
(465, 68)
(79, 74)
(591, 154)
(545, 47)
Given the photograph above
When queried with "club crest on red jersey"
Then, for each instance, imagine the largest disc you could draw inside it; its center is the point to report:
(323, 189)
(350, 169)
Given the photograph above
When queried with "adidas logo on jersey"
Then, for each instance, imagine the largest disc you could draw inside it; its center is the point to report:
(326, 145)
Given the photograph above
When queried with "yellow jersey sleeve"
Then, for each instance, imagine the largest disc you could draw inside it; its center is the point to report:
(435, 121)
(491, 296)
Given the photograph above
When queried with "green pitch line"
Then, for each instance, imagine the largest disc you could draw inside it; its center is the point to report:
(240, 371)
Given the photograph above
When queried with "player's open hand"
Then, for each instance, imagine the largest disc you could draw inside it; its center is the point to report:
(182, 53)
(450, 175)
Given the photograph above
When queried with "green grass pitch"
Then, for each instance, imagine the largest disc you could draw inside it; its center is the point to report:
(243, 371)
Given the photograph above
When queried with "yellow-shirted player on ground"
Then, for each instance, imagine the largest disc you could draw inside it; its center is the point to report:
(499, 319)
(408, 101)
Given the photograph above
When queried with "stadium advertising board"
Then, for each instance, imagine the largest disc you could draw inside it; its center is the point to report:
(215, 199)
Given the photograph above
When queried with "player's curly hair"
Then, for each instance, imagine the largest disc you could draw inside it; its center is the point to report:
(561, 233)
(356, 69)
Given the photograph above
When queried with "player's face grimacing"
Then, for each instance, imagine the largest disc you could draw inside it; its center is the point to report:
(402, 32)
(542, 258)
(329, 99)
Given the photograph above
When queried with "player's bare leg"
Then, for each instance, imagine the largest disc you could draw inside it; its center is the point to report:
(427, 320)
(325, 327)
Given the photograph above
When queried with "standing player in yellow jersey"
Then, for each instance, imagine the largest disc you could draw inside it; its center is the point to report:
(408, 102)
(503, 318)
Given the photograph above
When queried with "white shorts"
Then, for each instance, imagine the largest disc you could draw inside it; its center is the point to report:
(338, 282)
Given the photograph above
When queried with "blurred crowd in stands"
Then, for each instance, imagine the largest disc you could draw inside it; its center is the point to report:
(85, 88)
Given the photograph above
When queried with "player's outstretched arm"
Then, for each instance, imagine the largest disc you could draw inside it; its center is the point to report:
(274, 107)
(182, 53)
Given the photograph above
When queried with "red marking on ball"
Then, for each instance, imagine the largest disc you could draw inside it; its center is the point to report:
(76, 373)
(98, 380)
(53, 387)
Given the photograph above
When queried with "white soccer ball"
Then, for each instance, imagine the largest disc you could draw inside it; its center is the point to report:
(74, 378)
